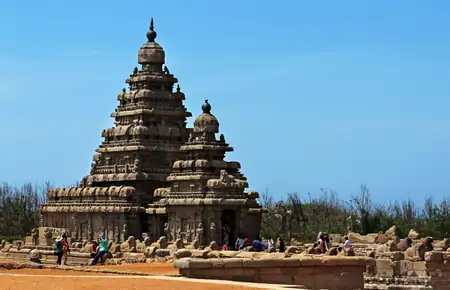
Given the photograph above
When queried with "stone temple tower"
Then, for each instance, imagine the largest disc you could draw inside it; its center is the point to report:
(206, 199)
(153, 175)
(150, 127)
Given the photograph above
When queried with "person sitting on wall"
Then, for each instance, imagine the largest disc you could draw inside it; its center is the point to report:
(322, 246)
(225, 247)
(95, 247)
(239, 242)
(270, 243)
(102, 250)
(246, 243)
(258, 245)
(347, 243)
(282, 245)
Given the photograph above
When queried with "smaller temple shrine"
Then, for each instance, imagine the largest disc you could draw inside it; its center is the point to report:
(206, 199)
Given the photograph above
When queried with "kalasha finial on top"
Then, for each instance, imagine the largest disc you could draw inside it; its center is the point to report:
(206, 107)
(178, 88)
(151, 35)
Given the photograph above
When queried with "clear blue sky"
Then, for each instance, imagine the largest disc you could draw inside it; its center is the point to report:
(311, 94)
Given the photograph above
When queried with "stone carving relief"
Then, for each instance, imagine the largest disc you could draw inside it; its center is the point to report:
(48, 234)
(125, 232)
(212, 230)
(226, 180)
(34, 236)
(166, 230)
(116, 234)
(199, 233)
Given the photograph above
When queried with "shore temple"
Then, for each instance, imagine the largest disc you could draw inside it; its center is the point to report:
(152, 175)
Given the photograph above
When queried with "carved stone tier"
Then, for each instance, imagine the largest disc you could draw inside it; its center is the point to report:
(91, 207)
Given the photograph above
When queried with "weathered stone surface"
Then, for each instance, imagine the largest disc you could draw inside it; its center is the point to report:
(150, 151)
(313, 273)
(182, 253)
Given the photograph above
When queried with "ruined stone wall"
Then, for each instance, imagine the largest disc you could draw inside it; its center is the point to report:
(310, 272)
(396, 272)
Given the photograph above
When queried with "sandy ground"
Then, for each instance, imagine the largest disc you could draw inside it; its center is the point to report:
(44, 279)
(150, 268)
(110, 283)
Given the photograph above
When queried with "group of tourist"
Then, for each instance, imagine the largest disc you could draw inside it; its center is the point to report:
(99, 248)
(324, 243)
(257, 245)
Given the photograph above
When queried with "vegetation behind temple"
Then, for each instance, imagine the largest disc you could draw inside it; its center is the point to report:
(295, 216)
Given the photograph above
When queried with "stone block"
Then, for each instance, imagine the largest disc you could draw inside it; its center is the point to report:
(244, 254)
(397, 256)
(182, 253)
(162, 252)
(419, 266)
(189, 263)
(434, 256)
(233, 263)
(384, 268)
(286, 262)
(250, 263)
(203, 254)
(270, 271)
(29, 240)
(228, 254)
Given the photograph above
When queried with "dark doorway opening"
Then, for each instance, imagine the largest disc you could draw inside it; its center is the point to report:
(228, 222)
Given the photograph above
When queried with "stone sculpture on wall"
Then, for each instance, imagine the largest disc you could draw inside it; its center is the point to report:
(199, 233)
(212, 230)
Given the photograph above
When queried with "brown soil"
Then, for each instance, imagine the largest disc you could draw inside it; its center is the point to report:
(81, 283)
(53, 272)
(150, 268)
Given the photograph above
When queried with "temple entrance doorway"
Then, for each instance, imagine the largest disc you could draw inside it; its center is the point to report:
(228, 222)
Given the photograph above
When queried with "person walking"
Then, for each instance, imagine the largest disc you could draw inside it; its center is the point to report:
(59, 250)
(103, 242)
(65, 249)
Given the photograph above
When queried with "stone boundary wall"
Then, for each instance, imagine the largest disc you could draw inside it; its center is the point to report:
(333, 273)
(396, 272)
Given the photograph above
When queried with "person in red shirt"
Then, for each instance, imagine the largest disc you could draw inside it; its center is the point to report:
(65, 249)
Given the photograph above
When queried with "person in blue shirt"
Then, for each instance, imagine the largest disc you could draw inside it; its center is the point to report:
(258, 245)
(59, 250)
(103, 242)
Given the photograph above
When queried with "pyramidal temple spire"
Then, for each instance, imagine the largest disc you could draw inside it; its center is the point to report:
(151, 35)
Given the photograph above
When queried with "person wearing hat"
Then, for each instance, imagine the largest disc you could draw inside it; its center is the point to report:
(59, 250)
(103, 242)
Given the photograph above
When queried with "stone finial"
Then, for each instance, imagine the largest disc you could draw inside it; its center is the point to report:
(124, 90)
(151, 35)
(135, 70)
(206, 107)
(178, 88)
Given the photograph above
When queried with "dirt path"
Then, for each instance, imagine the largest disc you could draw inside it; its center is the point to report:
(150, 268)
(12, 280)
